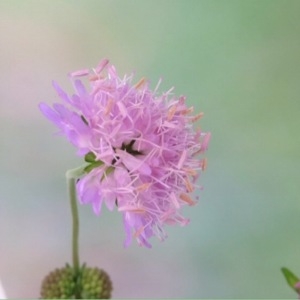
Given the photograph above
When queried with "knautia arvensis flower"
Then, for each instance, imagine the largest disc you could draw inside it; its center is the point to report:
(140, 145)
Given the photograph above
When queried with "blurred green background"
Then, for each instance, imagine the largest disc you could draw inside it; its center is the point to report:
(238, 62)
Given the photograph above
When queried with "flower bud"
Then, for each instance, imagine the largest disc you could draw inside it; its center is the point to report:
(88, 283)
(95, 284)
(59, 284)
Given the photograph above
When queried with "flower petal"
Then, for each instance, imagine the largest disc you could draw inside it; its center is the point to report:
(133, 163)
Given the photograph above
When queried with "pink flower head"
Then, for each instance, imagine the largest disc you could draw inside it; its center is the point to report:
(141, 148)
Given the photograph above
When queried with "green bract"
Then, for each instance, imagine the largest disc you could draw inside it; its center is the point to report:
(290, 277)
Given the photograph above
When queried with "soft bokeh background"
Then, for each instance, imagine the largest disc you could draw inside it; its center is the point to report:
(239, 62)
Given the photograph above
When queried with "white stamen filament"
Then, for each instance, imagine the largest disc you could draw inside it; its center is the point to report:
(132, 209)
(182, 159)
(157, 86)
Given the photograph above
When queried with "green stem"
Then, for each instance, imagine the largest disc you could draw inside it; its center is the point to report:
(71, 176)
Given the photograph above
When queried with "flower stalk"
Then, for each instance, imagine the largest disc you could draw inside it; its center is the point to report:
(75, 282)
(72, 176)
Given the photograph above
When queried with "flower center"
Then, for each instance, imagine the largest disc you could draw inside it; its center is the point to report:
(129, 149)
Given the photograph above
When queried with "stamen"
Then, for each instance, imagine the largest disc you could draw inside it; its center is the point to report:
(203, 164)
(174, 200)
(182, 100)
(139, 231)
(95, 77)
(186, 198)
(123, 110)
(197, 152)
(101, 66)
(189, 186)
(188, 110)
(140, 83)
(143, 187)
(157, 86)
(171, 112)
(169, 125)
(197, 117)
(182, 221)
(205, 142)
(189, 171)
(169, 91)
(109, 106)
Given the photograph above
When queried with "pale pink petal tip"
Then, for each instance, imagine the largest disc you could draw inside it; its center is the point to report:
(205, 142)
(79, 73)
(101, 65)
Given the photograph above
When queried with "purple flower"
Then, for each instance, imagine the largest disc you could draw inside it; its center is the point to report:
(141, 148)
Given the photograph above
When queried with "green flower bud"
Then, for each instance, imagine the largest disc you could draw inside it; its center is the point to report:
(88, 283)
(95, 284)
(291, 278)
(59, 284)
(90, 157)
